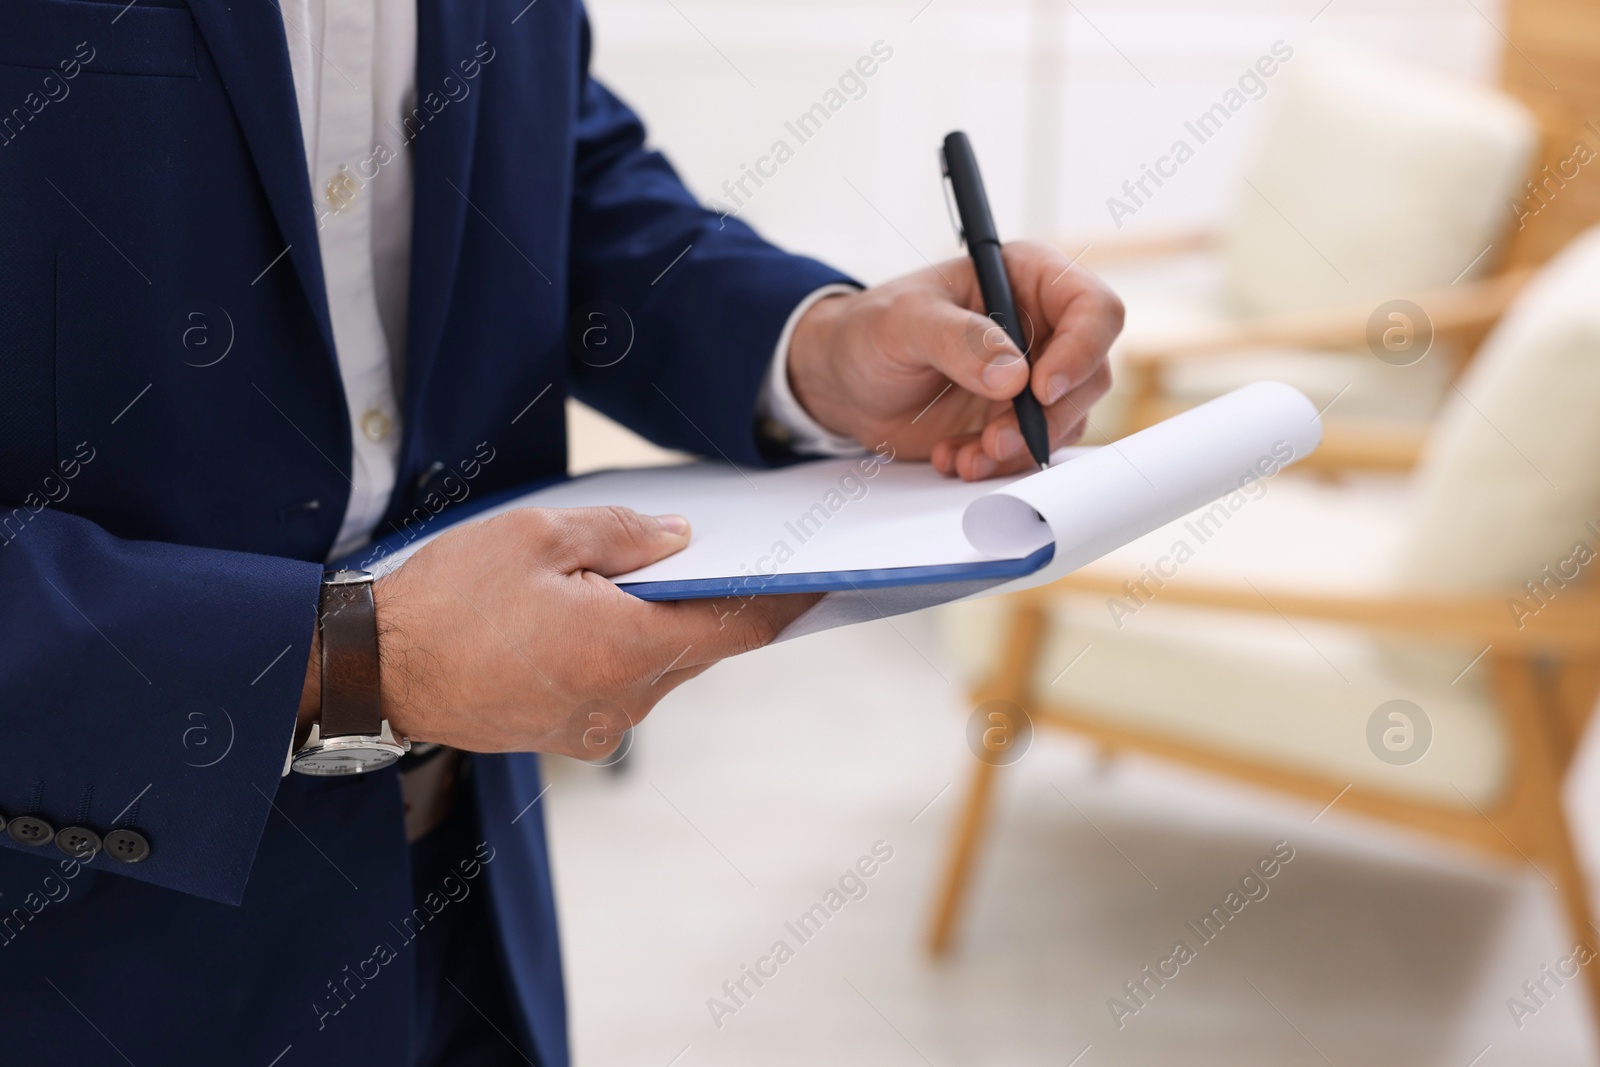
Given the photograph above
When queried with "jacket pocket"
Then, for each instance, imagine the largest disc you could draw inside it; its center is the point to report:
(72, 37)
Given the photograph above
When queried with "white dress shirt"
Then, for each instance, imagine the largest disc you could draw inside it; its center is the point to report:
(354, 65)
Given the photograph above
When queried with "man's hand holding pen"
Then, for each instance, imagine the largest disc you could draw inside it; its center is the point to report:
(915, 361)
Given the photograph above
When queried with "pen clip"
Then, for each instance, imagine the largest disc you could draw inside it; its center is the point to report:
(948, 187)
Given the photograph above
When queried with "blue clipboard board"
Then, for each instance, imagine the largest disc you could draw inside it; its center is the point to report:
(987, 571)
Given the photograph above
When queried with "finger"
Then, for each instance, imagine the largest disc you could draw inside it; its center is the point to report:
(966, 347)
(676, 677)
(691, 633)
(999, 448)
(1073, 409)
(747, 623)
(596, 727)
(1001, 442)
(599, 727)
(1084, 318)
(1065, 420)
(943, 456)
(1076, 316)
(972, 463)
(609, 540)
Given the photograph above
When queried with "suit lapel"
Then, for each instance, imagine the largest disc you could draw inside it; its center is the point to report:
(247, 43)
(449, 33)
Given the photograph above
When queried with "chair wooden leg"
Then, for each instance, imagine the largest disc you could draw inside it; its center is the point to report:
(1538, 820)
(974, 826)
(1024, 635)
(1577, 684)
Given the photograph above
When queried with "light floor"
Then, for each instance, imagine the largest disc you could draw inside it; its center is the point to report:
(752, 790)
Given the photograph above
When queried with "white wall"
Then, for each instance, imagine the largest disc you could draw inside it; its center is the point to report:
(716, 80)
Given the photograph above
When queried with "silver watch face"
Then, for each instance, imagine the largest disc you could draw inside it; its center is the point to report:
(346, 755)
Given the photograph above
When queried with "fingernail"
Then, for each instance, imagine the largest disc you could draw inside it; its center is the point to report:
(982, 466)
(1006, 375)
(674, 524)
(1056, 388)
(1007, 443)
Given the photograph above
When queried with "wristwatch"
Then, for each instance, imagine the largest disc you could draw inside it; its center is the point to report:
(351, 736)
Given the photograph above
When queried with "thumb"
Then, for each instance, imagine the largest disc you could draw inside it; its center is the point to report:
(970, 349)
(614, 540)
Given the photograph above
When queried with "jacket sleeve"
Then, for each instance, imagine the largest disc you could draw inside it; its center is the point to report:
(701, 298)
(147, 687)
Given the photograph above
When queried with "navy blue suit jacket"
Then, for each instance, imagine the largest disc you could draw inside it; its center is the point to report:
(174, 465)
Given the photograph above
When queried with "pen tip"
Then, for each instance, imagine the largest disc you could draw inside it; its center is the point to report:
(1044, 465)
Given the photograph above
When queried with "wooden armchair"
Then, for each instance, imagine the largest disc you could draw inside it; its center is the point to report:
(1267, 655)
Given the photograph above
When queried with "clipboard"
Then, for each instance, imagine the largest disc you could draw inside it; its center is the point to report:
(881, 536)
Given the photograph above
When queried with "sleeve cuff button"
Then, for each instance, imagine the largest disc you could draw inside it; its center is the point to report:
(127, 846)
(30, 831)
(78, 842)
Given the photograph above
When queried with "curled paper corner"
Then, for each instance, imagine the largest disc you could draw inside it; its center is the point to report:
(1290, 398)
(1106, 497)
(1004, 526)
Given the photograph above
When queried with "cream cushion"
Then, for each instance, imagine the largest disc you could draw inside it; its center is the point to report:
(1510, 479)
(1297, 696)
(1374, 179)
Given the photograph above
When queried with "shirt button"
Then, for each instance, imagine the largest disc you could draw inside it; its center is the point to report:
(376, 424)
(341, 189)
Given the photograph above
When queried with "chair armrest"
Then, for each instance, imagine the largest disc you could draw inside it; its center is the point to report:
(1365, 446)
(1104, 250)
(1568, 621)
(1454, 309)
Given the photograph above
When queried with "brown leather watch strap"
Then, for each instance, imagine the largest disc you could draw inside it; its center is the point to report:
(349, 626)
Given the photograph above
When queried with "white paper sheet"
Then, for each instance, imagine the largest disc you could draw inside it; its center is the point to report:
(828, 515)
(874, 513)
(1103, 498)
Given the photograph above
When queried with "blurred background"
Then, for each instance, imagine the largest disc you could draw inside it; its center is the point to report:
(1380, 666)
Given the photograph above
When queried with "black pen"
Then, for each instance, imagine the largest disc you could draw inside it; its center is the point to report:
(983, 244)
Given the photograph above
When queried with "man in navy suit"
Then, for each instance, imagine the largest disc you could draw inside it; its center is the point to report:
(275, 282)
